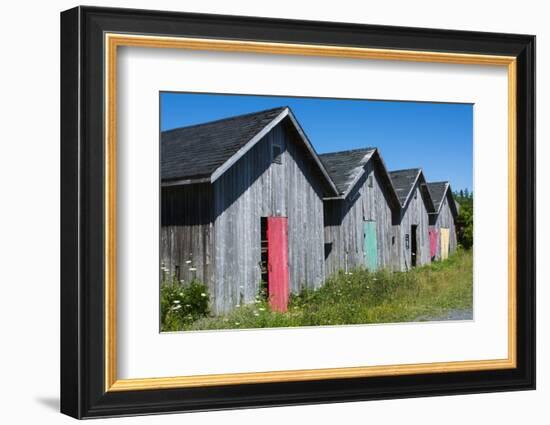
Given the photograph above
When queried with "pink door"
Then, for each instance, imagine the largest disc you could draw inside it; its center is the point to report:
(277, 263)
(434, 240)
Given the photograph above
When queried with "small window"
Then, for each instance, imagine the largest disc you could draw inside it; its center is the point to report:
(277, 154)
(369, 181)
(393, 240)
(415, 194)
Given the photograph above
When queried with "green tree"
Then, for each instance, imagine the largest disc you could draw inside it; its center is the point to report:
(465, 219)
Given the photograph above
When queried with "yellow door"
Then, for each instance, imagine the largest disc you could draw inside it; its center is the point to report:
(444, 243)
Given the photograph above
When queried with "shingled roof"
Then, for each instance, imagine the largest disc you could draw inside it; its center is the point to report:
(438, 191)
(346, 167)
(203, 152)
(404, 180)
(198, 150)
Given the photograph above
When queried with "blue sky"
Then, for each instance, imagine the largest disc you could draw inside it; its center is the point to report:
(437, 137)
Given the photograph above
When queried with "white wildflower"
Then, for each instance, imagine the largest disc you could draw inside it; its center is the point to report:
(176, 301)
(203, 294)
(261, 309)
(256, 314)
(177, 307)
(237, 323)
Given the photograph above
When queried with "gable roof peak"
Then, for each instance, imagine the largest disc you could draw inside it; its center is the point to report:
(346, 167)
(197, 151)
(438, 191)
(403, 182)
(203, 152)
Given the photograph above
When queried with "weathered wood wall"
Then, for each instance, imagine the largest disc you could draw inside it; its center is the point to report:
(256, 187)
(344, 225)
(446, 220)
(414, 213)
(186, 232)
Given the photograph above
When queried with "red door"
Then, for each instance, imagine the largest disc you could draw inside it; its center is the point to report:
(277, 263)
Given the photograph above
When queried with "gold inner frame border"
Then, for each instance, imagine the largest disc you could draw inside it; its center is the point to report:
(111, 43)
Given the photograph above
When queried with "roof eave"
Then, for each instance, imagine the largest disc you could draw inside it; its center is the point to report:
(312, 151)
(183, 182)
(418, 173)
(388, 177)
(359, 175)
(374, 154)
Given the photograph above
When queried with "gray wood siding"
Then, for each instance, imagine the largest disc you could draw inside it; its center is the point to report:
(344, 225)
(186, 232)
(414, 213)
(255, 187)
(446, 220)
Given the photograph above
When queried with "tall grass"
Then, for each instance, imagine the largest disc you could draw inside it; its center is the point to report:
(360, 297)
(181, 305)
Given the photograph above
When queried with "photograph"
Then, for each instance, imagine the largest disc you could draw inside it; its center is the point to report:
(281, 212)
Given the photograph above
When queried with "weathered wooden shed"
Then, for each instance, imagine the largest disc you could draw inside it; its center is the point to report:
(442, 231)
(416, 204)
(242, 202)
(359, 222)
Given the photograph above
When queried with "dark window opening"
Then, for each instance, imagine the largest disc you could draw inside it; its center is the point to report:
(277, 154)
(263, 260)
(413, 245)
(369, 181)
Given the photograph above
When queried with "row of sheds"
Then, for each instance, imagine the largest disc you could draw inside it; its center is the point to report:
(247, 199)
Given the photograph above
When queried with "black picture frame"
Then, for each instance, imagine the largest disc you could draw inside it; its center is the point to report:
(82, 212)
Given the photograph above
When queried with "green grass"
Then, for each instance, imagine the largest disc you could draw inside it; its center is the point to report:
(361, 297)
(181, 305)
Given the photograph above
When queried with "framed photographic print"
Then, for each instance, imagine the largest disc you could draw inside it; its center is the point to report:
(261, 212)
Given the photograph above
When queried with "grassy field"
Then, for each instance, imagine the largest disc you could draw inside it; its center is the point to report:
(358, 297)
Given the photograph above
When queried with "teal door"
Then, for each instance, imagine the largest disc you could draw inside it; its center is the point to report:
(370, 248)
